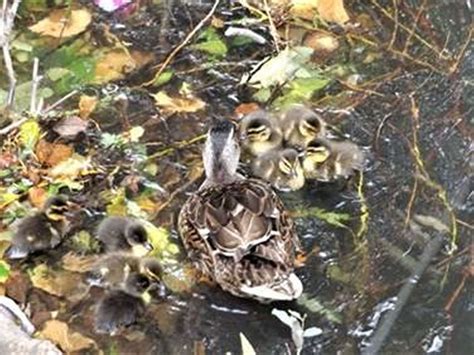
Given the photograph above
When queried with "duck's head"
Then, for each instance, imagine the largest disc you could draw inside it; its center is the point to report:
(137, 284)
(311, 125)
(256, 128)
(58, 208)
(317, 151)
(289, 164)
(221, 152)
(137, 237)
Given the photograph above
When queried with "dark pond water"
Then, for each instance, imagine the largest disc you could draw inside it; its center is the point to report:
(415, 125)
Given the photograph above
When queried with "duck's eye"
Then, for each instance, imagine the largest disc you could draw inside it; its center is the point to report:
(311, 125)
(285, 166)
(258, 133)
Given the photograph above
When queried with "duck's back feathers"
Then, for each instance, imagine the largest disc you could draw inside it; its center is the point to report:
(117, 310)
(239, 235)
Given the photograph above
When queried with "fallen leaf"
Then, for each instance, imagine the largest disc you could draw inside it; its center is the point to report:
(29, 134)
(73, 167)
(17, 286)
(136, 133)
(60, 334)
(178, 104)
(211, 43)
(160, 238)
(321, 42)
(78, 263)
(4, 271)
(70, 127)
(245, 109)
(62, 23)
(37, 196)
(247, 348)
(7, 159)
(332, 11)
(52, 154)
(113, 65)
(87, 105)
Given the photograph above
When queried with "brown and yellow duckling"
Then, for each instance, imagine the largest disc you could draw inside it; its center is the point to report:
(236, 231)
(327, 160)
(259, 132)
(42, 231)
(281, 168)
(300, 125)
(123, 234)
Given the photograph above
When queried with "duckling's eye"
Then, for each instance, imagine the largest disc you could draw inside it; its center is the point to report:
(285, 166)
(143, 281)
(312, 125)
(139, 235)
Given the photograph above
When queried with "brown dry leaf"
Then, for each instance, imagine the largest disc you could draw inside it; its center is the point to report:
(73, 167)
(113, 65)
(178, 104)
(87, 105)
(78, 263)
(71, 126)
(52, 154)
(69, 341)
(62, 23)
(37, 196)
(244, 109)
(332, 11)
(328, 10)
(58, 283)
(141, 58)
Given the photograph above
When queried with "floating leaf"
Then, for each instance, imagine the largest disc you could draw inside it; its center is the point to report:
(4, 271)
(87, 105)
(247, 348)
(69, 341)
(52, 154)
(69, 127)
(29, 134)
(178, 104)
(62, 23)
(160, 238)
(113, 65)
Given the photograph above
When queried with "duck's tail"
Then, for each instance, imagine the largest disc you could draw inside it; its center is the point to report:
(286, 290)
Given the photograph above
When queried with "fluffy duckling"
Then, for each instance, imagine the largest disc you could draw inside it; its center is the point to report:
(282, 168)
(259, 132)
(300, 125)
(124, 234)
(114, 270)
(43, 230)
(122, 307)
(326, 160)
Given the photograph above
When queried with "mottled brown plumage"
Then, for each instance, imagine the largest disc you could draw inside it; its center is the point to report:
(236, 231)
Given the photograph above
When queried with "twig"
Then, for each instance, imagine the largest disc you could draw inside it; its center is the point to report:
(59, 102)
(183, 44)
(383, 331)
(413, 28)
(13, 125)
(34, 87)
(273, 29)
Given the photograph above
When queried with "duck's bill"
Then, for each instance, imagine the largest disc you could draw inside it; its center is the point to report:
(15, 252)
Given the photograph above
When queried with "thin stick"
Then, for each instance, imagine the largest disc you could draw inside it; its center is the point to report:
(183, 44)
(34, 86)
(382, 332)
(273, 29)
(59, 102)
(13, 125)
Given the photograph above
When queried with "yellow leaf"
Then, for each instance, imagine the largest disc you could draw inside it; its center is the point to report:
(7, 197)
(332, 11)
(87, 105)
(58, 283)
(69, 341)
(29, 134)
(73, 167)
(62, 23)
(136, 133)
(178, 104)
(159, 237)
(113, 65)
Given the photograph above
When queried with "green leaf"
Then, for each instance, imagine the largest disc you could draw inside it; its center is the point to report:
(301, 89)
(4, 271)
(211, 43)
(164, 78)
(334, 218)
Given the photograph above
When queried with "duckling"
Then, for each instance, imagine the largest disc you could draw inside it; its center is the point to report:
(326, 160)
(259, 133)
(123, 233)
(122, 307)
(282, 168)
(300, 125)
(236, 231)
(43, 230)
(113, 270)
